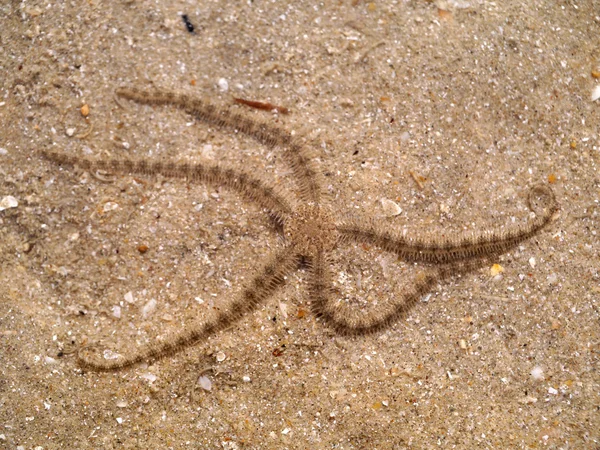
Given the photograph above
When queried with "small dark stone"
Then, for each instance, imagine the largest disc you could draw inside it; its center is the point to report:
(188, 25)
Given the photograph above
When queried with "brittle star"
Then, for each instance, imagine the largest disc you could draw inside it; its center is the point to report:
(310, 229)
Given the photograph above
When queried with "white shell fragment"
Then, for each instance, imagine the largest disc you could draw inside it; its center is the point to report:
(532, 262)
(221, 356)
(129, 297)
(596, 93)
(8, 202)
(149, 376)
(205, 383)
(390, 208)
(148, 308)
(110, 206)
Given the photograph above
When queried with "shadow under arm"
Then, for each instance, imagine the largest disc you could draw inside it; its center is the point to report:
(435, 249)
(271, 277)
(297, 156)
(254, 189)
(350, 322)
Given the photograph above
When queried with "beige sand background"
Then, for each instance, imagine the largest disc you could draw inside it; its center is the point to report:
(480, 100)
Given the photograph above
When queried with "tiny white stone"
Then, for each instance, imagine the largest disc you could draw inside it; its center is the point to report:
(8, 202)
(70, 131)
(121, 404)
(221, 356)
(223, 85)
(537, 373)
(148, 308)
(552, 391)
(3, 151)
(532, 262)
(285, 431)
(205, 383)
(49, 360)
(119, 420)
(596, 93)
(117, 311)
(246, 379)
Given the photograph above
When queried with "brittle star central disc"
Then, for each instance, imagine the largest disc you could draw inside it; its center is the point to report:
(310, 229)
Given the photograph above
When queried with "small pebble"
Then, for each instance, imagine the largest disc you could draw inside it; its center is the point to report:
(532, 262)
(537, 373)
(119, 420)
(85, 110)
(205, 383)
(70, 131)
(116, 311)
(3, 151)
(552, 391)
(528, 400)
(129, 297)
(121, 404)
(223, 85)
(50, 360)
(221, 356)
(596, 93)
(496, 269)
(246, 379)
(8, 202)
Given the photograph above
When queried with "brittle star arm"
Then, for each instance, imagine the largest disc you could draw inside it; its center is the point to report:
(277, 202)
(436, 249)
(270, 278)
(308, 177)
(353, 323)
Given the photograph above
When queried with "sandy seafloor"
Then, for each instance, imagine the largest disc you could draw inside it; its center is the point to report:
(479, 100)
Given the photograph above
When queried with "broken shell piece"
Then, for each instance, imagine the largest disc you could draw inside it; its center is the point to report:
(596, 93)
(8, 202)
(390, 208)
(205, 383)
(148, 308)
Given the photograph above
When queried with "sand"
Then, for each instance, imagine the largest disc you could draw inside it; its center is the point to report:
(451, 110)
